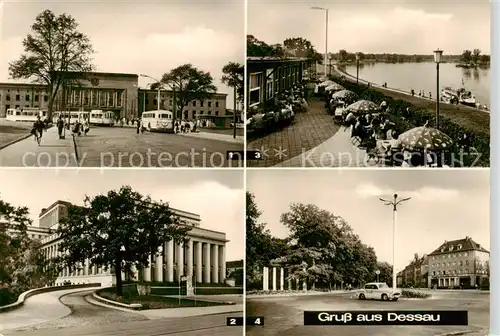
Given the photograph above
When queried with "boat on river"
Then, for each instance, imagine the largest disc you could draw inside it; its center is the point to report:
(462, 96)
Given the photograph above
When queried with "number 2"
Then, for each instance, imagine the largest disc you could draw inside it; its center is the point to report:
(232, 321)
(257, 320)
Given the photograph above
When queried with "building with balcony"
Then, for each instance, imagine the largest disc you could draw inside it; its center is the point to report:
(459, 263)
(203, 258)
(267, 76)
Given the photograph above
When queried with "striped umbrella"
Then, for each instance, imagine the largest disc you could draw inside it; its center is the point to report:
(326, 83)
(425, 137)
(345, 95)
(363, 107)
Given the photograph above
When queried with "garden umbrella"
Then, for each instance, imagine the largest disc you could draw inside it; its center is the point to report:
(326, 83)
(425, 137)
(363, 106)
(345, 95)
(334, 87)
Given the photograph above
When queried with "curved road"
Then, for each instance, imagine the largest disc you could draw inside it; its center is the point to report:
(85, 319)
(284, 315)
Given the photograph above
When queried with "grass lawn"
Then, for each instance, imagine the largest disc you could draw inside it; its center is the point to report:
(10, 133)
(130, 296)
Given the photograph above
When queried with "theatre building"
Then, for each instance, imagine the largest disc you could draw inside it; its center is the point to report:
(459, 263)
(268, 76)
(203, 258)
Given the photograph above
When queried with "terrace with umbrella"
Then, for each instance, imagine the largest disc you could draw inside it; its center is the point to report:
(339, 101)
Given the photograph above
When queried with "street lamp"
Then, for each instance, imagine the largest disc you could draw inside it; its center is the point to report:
(357, 68)
(326, 35)
(394, 203)
(437, 58)
(377, 272)
(159, 88)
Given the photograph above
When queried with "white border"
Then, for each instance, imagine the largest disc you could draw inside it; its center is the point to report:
(245, 2)
(494, 178)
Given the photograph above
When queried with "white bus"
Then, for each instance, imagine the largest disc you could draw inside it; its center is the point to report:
(25, 114)
(73, 116)
(103, 118)
(159, 121)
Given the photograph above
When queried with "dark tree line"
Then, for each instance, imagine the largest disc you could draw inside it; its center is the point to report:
(291, 47)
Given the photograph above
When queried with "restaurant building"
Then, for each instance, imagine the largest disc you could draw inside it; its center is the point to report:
(204, 256)
(267, 76)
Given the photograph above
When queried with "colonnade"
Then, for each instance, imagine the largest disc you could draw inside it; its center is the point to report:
(203, 260)
(275, 276)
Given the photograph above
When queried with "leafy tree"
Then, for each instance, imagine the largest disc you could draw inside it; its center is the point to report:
(261, 247)
(258, 48)
(466, 57)
(119, 229)
(22, 265)
(233, 77)
(343, 55)
(54, 48)
(188, 83)
(385, 272)
(301, 47)
(476, 54)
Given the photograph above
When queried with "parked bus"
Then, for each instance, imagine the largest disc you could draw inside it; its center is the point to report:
(25, 114)
(102, 118)
(159, 121)
(73, 116)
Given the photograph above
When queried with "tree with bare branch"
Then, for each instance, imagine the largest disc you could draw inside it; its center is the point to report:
(53, 48)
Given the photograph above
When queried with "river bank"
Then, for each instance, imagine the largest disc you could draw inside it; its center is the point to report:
(471, 119)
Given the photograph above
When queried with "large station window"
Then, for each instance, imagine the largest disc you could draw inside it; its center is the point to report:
(255, 88)
(102, 98)
(119, 98)
(269, 84)
(86, 98)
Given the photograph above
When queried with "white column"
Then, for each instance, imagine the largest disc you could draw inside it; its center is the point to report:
(304, 285)
(189, 258)
(215, 263)
(222, 263)
(282, 278)
(265, 278)
(199, 261)
(159, 266)
(289, 283)
(275, 275)
(146, 272)
(206, 259)
(86, 269)
(133, 270)
(180, 261)
(170, 260)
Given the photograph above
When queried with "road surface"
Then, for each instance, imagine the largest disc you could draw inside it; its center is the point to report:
(86, 319)
(284, 315)
(120, 147)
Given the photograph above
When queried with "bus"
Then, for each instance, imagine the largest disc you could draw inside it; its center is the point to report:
(102, 118)
(159, 121)
(25, 114)
(73, 116)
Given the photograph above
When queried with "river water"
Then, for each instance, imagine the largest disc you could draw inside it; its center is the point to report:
(422, 76)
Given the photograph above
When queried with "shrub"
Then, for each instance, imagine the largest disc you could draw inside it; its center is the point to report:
(218, 291)
(485, 284)
(409, 294)
(7, 297)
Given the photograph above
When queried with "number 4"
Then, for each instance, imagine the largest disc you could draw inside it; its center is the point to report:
(257, 320)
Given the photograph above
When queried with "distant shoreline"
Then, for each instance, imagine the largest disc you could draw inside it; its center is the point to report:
(457, 63)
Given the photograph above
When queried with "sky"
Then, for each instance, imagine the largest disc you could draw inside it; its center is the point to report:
(140, 37)
(216, 195)
(374, 26)
(444, 205)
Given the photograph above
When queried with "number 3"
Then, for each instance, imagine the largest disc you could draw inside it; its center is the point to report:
(232, 321)
(257, 321)
(257, 155)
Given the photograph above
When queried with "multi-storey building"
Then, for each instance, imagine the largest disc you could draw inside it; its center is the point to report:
(117, 92)
(415, 274)
(459, 263)
(203, 258)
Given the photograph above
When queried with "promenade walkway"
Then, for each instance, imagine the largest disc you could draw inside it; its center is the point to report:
(37, 309)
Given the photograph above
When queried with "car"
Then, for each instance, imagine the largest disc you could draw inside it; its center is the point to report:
(378, 291)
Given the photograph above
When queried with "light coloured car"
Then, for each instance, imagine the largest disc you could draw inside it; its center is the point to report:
(378, 291)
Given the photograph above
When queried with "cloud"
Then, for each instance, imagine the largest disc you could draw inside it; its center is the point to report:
(371, 190)
(423, 194)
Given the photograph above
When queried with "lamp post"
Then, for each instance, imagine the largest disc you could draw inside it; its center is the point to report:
(377, 272)
(437, 58)
(394, 204)
(159, 88)
(326, 36)
(357, 68)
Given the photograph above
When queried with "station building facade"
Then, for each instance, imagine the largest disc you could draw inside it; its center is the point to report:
(203, 258)
(117, 92)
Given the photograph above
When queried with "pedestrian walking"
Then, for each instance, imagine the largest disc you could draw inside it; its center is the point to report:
(60, 127)
(86, 126)
(138, 126)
